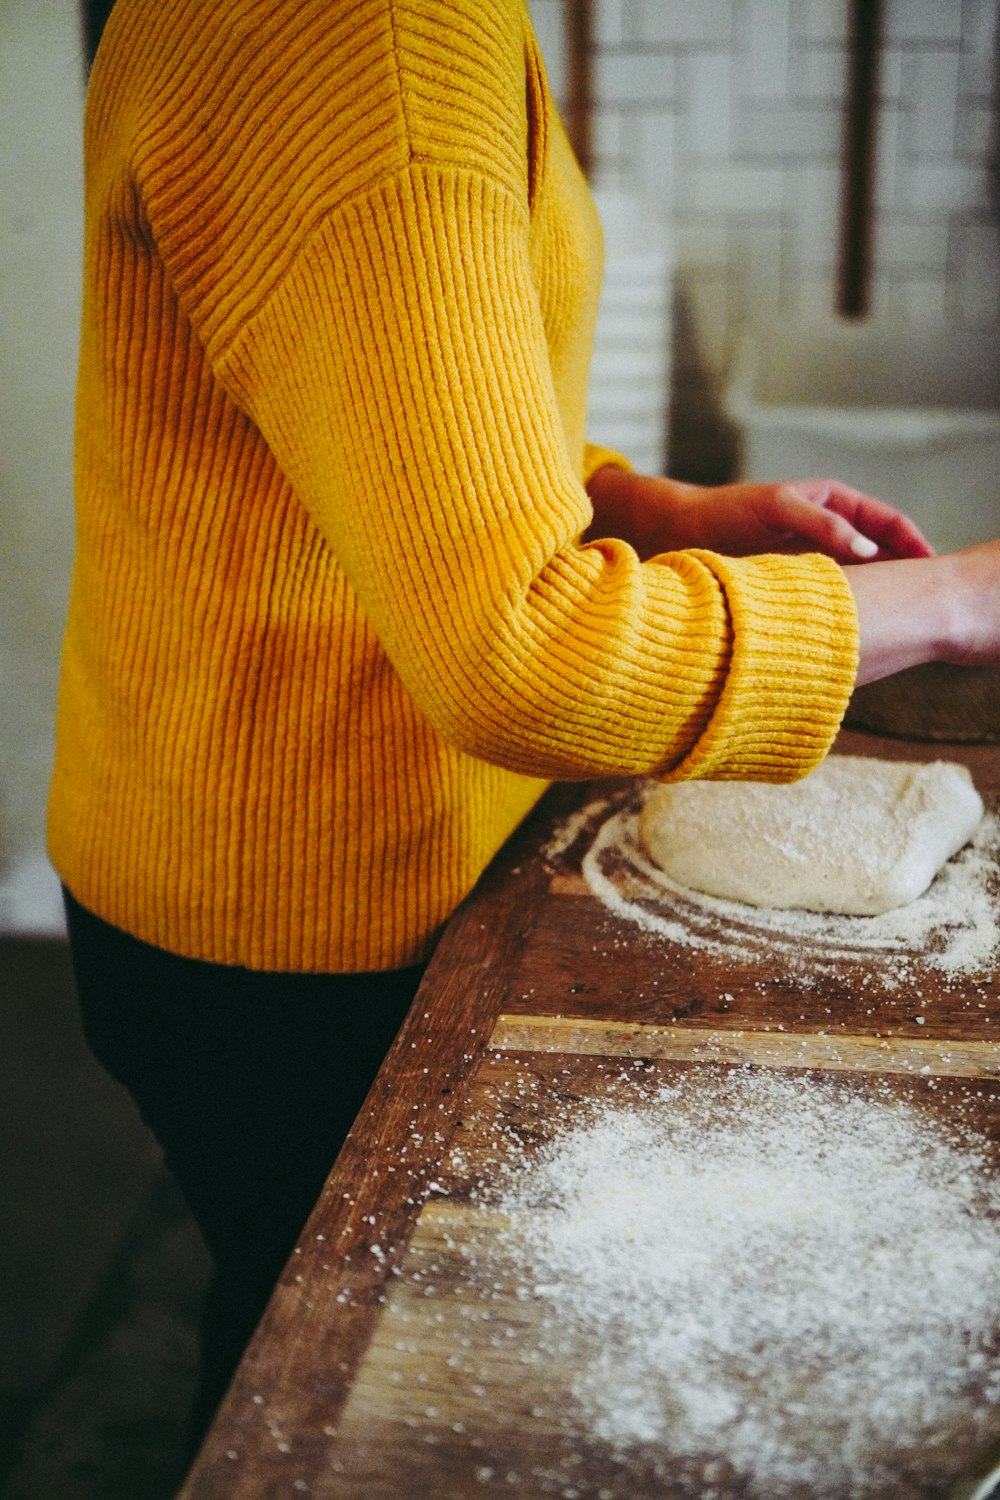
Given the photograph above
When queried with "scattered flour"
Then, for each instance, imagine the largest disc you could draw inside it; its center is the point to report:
(786, 1286)
(953, 927)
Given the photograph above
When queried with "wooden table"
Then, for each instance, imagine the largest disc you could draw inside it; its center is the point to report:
(534, 979)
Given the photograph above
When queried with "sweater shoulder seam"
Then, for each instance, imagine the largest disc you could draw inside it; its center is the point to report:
(416, 164)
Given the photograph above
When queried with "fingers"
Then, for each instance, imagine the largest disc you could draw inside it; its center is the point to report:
(810, 523)
(817, 515)
(895, 533)
(892, 532)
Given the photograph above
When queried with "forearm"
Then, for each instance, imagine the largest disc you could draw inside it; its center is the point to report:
(928, 609)
(912, 607)
(901, 616)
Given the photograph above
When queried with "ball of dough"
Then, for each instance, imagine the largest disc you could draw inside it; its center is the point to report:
(858, 835)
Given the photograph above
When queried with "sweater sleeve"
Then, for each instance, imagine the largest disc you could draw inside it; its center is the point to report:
(399, 373)
(595, 457)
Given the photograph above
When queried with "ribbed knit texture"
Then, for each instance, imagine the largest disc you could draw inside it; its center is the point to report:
(331, 624)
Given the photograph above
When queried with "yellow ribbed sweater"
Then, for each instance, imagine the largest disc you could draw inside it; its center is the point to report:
(331, 625)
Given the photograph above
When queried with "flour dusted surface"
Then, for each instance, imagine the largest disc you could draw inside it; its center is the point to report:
(952, 929)
(858, 836)
(777, 1280)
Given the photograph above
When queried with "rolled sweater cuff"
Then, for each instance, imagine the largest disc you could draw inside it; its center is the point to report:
(794, 661)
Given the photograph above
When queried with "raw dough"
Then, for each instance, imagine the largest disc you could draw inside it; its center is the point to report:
(858, 835)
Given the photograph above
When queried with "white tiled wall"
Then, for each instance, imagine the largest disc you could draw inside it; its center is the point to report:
(729, 114)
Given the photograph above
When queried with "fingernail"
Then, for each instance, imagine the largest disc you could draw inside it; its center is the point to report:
(863, 546)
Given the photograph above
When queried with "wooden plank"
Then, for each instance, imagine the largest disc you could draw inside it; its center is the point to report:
(518, 950)
(581, 960)
(586, 958)
(301, 1363)
(518, 1101)
(466, 1386)
(463, 1391)
(827, 1053)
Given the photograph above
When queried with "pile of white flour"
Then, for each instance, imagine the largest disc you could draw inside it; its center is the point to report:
(783, 1283)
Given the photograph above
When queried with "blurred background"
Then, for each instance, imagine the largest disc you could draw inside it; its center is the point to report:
(776, 176)
(729, 119)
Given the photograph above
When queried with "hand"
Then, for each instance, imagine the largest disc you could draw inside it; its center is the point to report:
(929, 609)
(811, 515)
(806, 515)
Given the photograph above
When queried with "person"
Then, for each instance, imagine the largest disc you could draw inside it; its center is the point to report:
(350, 586)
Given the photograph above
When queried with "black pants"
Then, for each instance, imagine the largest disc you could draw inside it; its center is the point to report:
(250, 1082)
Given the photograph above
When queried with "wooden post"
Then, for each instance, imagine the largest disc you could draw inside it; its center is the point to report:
(860, 131)
(578, 20)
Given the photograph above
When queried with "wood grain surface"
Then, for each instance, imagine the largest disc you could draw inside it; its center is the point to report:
(358, 1382)
(466, 1386)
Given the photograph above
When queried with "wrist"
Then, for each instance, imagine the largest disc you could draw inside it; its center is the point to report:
(652, 514)
(909, 612)
(610, 491)
(946, 609)
(608, 483)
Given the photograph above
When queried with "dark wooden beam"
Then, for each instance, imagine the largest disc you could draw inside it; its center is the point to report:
(578, 18)
(860, 134)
